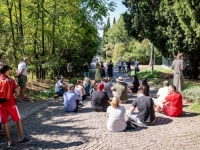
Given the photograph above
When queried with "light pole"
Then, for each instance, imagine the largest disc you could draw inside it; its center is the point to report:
(152, 58)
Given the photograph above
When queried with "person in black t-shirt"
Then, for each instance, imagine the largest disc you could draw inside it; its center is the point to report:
(110, 69)
(129, 63)
(135, 85)
(145, 106)
(86, 69)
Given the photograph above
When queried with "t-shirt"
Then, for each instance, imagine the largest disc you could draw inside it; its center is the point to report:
(70, 100)
(107, 88)
(175, 104)
(86, 68)
(57, 86)
(11, 102)
(99, 101)
(116, 121)
(110, 67)
(121, 91)
(136, 64)
(129, 64)
(135, 86)
(120, 64)
(145, 106)
(162, 92)
(22, 65)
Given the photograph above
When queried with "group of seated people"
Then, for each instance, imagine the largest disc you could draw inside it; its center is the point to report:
(106, 97)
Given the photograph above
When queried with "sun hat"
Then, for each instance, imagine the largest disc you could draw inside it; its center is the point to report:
(100, 86)
(120, 79)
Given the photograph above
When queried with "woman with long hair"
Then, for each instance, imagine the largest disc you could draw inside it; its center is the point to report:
(145, 87)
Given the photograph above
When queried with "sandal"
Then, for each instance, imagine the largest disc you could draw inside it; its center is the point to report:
(24, 140)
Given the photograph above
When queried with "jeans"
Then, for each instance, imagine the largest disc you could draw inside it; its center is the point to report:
(86, 74)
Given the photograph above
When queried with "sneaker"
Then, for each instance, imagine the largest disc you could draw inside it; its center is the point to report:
(81, 104)
(12, 144)
(25, 140)
(25, 99)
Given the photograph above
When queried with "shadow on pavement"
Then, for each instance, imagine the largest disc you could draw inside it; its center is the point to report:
(162, 121)
(189, 114)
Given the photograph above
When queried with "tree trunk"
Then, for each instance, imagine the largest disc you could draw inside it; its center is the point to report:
(194, 57)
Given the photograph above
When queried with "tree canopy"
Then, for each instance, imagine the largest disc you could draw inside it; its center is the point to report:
(172, 26)
(51, 32)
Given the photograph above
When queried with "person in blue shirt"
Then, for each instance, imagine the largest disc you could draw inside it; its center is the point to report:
(60, 86)
(71, 99)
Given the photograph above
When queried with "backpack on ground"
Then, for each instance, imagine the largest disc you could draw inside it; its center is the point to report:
(5, 90)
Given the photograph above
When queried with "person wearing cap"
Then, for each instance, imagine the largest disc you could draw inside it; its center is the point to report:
(71, 99)
(60, 86)
(120, 90)
(9, 107)
(22, 77)
(100, 99)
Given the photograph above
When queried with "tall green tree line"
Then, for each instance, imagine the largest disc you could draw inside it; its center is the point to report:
(171, 25)
(50, 32)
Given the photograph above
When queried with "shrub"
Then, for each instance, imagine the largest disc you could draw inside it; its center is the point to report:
(191, 94)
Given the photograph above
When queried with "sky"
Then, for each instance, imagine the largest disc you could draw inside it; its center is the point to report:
(118, 10)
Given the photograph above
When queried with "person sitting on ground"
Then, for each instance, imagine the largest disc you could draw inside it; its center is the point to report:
(162, 93)
(120, 90)
(93, 87)
(145, 87)
(9, 106)
(60, 86)
(145, 106)
(86, 84)
(135, 85)
(71, 99)
(99, 99)
(107, 87)
(173, 103)
(79, 90)
(116, 121)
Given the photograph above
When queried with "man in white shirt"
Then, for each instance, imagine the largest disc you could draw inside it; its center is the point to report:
(162, 93)
(22, 77)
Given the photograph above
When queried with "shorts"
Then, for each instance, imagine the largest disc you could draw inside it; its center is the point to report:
(22, 81)
(5, 111)
(110, 74)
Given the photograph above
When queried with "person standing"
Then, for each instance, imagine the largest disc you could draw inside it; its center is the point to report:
(9, 108)
(178, 67)
(86, 69)
(119, 66)
(69, 70)
(129, 67)
(22, 77)
(136, 66)
(102, 72)
(97, 74)
(110, 69)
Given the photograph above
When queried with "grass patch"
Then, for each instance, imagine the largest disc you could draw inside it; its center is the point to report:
(195, 107)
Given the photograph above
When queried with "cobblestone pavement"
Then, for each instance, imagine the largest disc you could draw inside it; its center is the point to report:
(52, 128)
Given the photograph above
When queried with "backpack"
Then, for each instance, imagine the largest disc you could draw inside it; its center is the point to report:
(5, 90)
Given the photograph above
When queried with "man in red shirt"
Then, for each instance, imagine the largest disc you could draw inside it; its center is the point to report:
(9, 108)
(173, 103)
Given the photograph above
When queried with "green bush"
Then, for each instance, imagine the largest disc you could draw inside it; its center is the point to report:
(191, 94)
